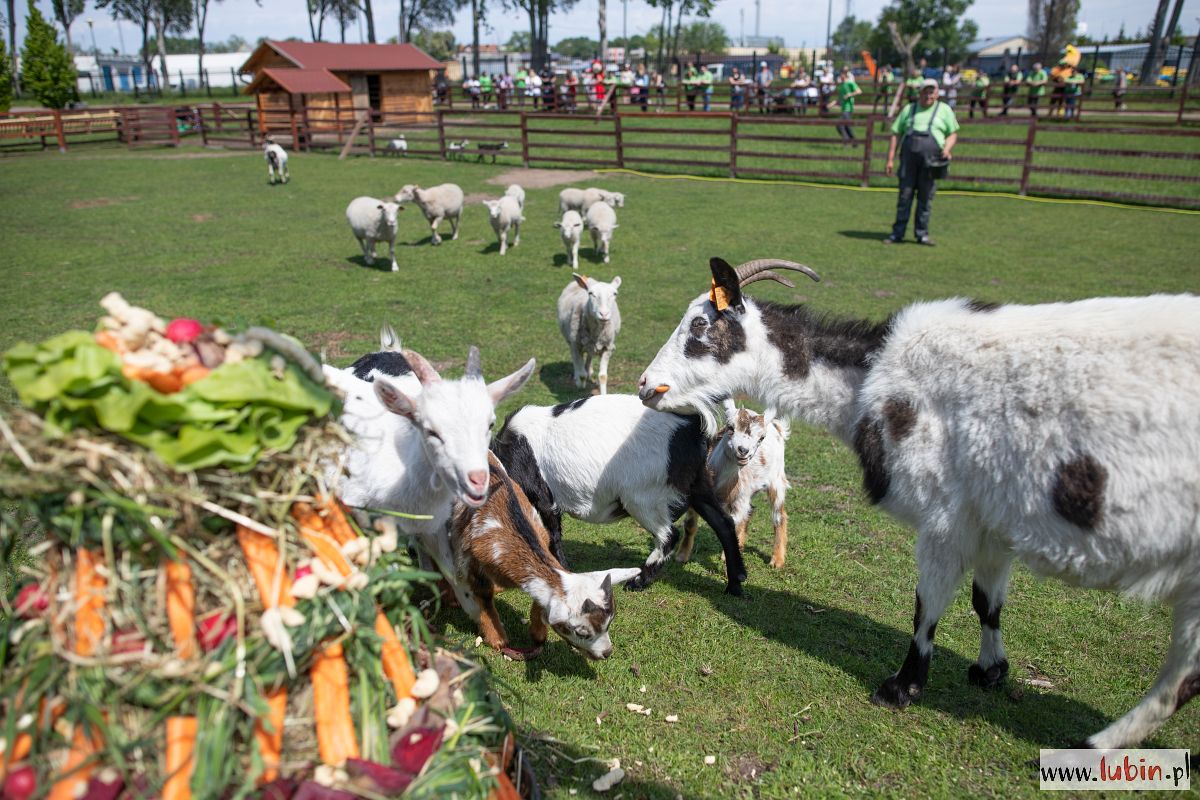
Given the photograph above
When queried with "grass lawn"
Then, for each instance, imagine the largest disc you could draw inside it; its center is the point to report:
(774, 685)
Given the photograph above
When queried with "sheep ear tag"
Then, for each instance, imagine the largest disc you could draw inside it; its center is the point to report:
(718, 296)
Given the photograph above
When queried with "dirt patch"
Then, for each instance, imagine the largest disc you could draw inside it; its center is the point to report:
(202, 217)
(747, 769)
(541, 178)
(330, 343)
(478, 197)
(101, 202)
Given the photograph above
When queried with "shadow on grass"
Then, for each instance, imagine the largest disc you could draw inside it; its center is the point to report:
(559, 378)
(382, 263)
(877, 236)
(859, 646)
(562, 260)
(562, 767)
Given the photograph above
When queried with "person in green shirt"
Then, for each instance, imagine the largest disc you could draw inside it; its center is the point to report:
(1036, 81)
(885, 83)
(913, 85)
(979, 93)
(847, 90)
(691, 81)
(1074, 93)
(485, 88)
(1012, 82)
(925, 129)
(519, 82)
(706, 86)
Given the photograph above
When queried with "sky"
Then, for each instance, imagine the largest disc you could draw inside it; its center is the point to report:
(801, 24)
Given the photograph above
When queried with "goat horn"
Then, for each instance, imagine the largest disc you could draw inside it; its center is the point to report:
(473, 368)
(760, 270)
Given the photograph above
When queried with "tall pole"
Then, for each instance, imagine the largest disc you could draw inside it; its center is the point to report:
(92, 30)
(625, 25)
(828, 30)
(742, 27)
(757, 10)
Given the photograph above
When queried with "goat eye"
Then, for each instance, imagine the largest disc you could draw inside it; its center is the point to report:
(432, 434)
(583, 632)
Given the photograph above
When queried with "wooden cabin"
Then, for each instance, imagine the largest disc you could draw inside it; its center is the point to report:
(318, 82)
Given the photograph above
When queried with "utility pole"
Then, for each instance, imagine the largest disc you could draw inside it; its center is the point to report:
(829, 30)
(625, 25)
(742, 27)
(757, 9)
(92, 29)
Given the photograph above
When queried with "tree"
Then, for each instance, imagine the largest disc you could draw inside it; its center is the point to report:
(200, 13)
(1051, 24)
(48, 69)
(1149, 73)
(603, 24)
(440, 45)
(477, 12)
(5, 79)
(704, 37)
(369, 15)
(578, 47)
(344, 12)
(141, 14)
(942, 25)
(415, 14)
(12, 45)
(317, 11)
(852, 36)
(169, 16)
(519, 42)
(65, 11)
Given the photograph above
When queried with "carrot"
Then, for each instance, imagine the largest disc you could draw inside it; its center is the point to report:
(335, 519)
(22, 745)
(181, 607)
(331, 706)
(396, 663)
(136, 373)
(89, 603)
(78, 767)
(504, 788)
(181, 744)
(262, 556)
(164, 382)
(110, 341)
(192, 374)
(314, 531)
(270, 743)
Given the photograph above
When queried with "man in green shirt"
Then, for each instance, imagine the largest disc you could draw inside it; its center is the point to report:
(979, 93)
(913, 85)
(706, 85)
(1037, 87)
(847, 90)
(1074, 92)
(928, 129)
(485, 88)
(1012, 82)
(519, 82)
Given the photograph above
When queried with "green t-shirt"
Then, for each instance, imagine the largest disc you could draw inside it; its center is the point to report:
(706, 81)
(913, 85)
(1039, 78)
(982, 82)
(845, 91)
(519, 78)
(944, 123)
(485, 83)
(887, 77)
(1075, 84)
(1017, 76)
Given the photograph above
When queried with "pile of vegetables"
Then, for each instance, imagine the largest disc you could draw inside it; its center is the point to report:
(185, 611)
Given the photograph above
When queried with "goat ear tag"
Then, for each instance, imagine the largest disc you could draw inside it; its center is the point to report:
(718, 296)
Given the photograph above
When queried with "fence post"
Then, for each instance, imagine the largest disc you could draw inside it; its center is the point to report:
(441, 125)
(233, 81)
(250, 128)
(203, 127)
(617, 135)
(173, 124)
(733, 132)
(58, 131)
(207, 83)
(337, 114)
(1028, 165)
(870, 135)
(182, 90)
(371, 132)
(295, 130)
(524, 140)
(1183, 99)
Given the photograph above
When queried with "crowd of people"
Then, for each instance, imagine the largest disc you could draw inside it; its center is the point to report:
(550, 91)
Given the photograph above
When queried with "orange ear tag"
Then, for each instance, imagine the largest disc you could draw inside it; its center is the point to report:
(717, 295)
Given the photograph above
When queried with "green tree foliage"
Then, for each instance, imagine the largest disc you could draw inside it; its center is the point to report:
(177, 45)
(943, 24)
(579, 47)
(703, 37)
(438, 44)
(5, 78)
(418, 15)
(518, 42)
(1051, 26)
(851, 37)
(47, 67)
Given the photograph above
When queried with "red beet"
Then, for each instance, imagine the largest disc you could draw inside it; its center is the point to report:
(303, 571)
(278, 789)
(128, 640)
(214, 629)
(31, 601)
(20, 784)
(383, 779)
(310, 790)
(413, 749)
(184, 330)
(99, 789)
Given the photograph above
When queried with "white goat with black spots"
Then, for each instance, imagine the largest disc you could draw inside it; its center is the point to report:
(590, 320)
(277, 161)
(1063, 434)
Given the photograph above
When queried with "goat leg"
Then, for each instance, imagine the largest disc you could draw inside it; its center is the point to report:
(706, 505)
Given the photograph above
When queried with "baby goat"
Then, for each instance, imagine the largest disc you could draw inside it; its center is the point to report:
(747, 458)
(277, 159)
(503, 544)
(1063, 434)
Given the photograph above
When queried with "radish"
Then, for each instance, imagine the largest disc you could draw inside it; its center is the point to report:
(184, 330)
(20, 784)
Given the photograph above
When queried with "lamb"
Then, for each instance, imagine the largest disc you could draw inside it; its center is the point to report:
(398, 145)
(421, 443)
(455, 149)
(504, 214)
(590, 320)
(374, 221)
(516, 192)
(570, 199)
(607, 457)
(601, 222)
(277, 161)
(1063, 434)
(582, 199)
(503, 544)
(747, 458)
(570, 227)
(444, 201)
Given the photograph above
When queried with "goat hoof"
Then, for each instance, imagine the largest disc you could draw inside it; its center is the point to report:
(638, 584)
(735, 589)
(520, 653)
(988, 678)
(891, 694)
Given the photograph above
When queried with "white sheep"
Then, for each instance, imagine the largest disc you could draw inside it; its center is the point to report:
(444, 201)
(505, 214)
(398, 145)
(1063, 434)
(517, 193)
(372, 220)
(570, 199)
(570, 227)
(277, 161)
(590, 320)
(591, 196)
(601, 222)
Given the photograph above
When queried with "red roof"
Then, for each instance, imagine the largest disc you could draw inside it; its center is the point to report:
(354, 57)
(300, 81)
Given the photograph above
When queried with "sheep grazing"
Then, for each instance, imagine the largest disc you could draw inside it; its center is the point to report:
(604, 458)
(747, 458)
(517, 193)
(444, 201)
(277, 161)
(1063, 434)
(420, 443)
(373, 221)
(398, 145)
(590, 320)
(570, 227)
(503, 544)
(505, 214)
(581, 200)
(601, 222)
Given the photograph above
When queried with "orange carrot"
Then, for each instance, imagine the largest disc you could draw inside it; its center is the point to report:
(331, 706)
(396, 663)
(89, 603)
(181, 607)
(336, 524)
(312, 530)
(262, 556)
(270, 743)
(504, 788)
(78, 767)
(192, 374)
(181, 745)
(164, 382)
(136, 373)
(21, 748)
(110, 341)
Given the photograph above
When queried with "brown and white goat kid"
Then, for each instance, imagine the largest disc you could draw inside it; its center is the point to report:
(503, 544)
(745, 459)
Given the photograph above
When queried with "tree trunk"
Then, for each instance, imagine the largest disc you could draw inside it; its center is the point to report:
(12, 45)
(370, 21)
(1169, 34)
(67, 35)
(160, 37)
(201, 11)
(603, 31)
(403, 25)
(533, 31)
(475, 37)
(675, 39)
(1194, 69)
(147, 58)
(1149, 72)
(662, 38)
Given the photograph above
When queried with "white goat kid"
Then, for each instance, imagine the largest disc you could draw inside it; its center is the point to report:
(277, 161)
(590, 320)
(444, 201)
(570, 228)
(1063, 434)
(517, 193)
(505, 215)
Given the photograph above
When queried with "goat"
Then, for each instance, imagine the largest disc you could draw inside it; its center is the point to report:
(444, 201)
(747, 458)
(277, 161)
(1063, 434)
(398, 145)
(456, 149)
(606, 457)
(590, 320)
(503, 544)
(418, 452)
(492, 149)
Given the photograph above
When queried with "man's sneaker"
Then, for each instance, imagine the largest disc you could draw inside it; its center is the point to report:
(891, 240)
(925, 240)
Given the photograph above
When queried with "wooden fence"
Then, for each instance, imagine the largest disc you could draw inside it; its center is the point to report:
(134, 126)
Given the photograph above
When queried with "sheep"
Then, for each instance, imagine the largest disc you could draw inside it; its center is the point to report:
(398, 145)
(503, 544)
(420, 443)
(504, 214)
(516, 192)
(372, 221)
(1063, 434)
(601, 222)
(444, 201)
(582, 199)
(570, 199)
(747, 458)
(277, 161)
(590, 320)
(606, 457)
(570, 227)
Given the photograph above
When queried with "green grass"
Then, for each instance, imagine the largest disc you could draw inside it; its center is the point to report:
(775, 685)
